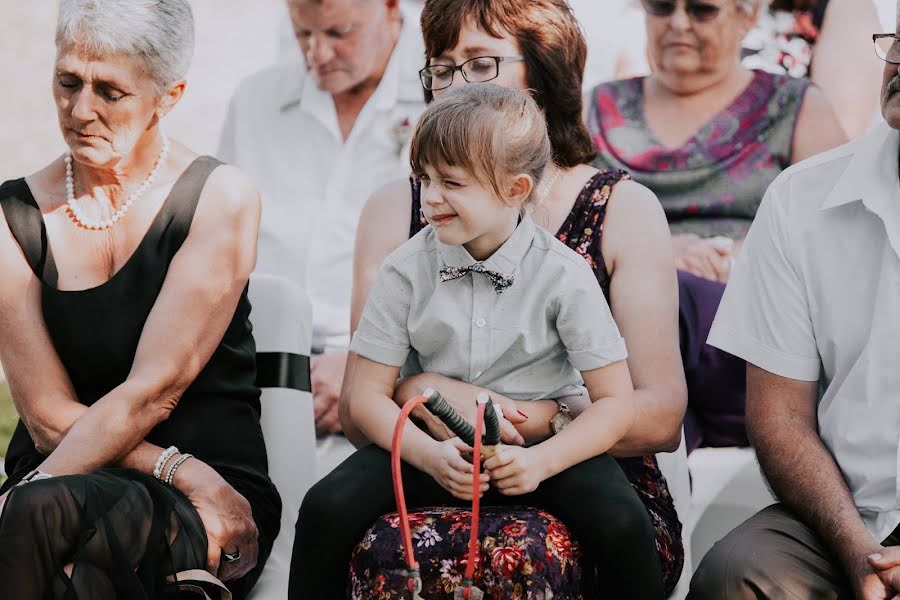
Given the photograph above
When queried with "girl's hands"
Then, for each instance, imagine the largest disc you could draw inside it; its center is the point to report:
(515, 470)
(444, 462)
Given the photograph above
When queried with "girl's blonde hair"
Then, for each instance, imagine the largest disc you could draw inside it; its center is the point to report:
(491, 132)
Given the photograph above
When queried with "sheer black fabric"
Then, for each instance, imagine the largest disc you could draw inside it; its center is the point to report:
(96, 333)
(120, 533)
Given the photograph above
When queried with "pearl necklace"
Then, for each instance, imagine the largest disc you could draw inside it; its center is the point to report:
(101, 224)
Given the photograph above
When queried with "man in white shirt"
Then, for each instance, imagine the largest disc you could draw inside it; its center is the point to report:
(813, 306)
(318, 138)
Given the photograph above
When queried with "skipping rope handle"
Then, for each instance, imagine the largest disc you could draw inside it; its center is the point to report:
(486, 419)
(439, 407)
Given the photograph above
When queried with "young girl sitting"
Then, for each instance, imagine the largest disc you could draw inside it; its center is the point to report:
(483, 295)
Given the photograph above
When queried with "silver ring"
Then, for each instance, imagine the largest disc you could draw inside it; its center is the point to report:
(232, 557)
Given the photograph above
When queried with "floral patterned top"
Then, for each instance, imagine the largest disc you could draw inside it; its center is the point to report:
(713, 184)
(582, 231)
(782, 41)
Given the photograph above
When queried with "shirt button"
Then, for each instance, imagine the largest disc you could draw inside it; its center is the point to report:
(480, 323)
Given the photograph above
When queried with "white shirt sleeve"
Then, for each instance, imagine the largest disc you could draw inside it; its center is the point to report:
(764, 316)
(584, 322)
(383, 332)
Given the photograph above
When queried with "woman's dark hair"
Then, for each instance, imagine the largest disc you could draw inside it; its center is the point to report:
(552, 42)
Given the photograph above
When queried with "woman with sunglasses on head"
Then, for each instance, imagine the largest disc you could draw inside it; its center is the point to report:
(616, 224)
(708, 136)
(825, 41)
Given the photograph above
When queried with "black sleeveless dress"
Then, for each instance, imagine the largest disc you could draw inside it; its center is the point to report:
(582, 231)
(124, 530)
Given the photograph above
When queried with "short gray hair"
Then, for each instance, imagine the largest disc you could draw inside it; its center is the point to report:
(159, 32)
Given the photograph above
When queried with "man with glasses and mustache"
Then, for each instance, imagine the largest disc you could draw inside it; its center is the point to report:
(812, 305)
(317, 139)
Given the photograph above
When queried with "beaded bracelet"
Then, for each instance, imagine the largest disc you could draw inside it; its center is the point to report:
(164, 457)
(170, 476)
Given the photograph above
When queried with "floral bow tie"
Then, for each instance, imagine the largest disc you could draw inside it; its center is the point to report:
(500, 281)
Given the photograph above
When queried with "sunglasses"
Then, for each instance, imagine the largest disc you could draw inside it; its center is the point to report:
(700, 12)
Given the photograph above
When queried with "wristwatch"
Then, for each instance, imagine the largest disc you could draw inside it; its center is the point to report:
(561, 418)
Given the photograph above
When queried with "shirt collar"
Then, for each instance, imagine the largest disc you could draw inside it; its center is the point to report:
(871, 176)
(507, 257)
(396, 85)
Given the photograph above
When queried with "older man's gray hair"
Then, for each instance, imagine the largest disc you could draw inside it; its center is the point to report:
(159, 32)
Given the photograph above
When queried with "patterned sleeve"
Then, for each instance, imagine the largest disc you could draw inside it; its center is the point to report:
(584, 321)
(383, 333)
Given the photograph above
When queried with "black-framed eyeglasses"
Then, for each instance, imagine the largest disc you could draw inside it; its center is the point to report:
(887, 47)
(474, 70)
(700, 12)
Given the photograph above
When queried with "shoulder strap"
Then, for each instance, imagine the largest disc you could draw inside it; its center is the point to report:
(26, 223)
(185, 194)
(181, 205)
(583, 229)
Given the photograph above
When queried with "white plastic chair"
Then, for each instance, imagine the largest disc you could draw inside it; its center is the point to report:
(282, 328)
(728, 488)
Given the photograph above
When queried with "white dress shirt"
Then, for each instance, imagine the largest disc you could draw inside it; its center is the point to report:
(283, 131)
(528, 342)
(815, 296)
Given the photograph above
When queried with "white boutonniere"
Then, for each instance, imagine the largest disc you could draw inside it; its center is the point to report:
(400, 133)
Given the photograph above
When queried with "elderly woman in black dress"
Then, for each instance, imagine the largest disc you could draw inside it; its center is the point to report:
(124, 333)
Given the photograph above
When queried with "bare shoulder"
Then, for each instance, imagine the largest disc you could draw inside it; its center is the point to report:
(818, 128)
(635, 229)
(390, 201)
(228, 197)
(633, 208)
(385, 218)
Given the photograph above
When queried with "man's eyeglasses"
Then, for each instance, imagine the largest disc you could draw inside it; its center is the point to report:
(474, 70)
(700, 12)
(887, 47)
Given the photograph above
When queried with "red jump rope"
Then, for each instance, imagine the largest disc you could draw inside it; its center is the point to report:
(487, 421)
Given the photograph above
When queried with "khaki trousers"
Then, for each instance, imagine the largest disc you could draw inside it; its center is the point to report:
(772, 556)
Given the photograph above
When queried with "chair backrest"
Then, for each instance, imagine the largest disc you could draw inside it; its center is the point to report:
(282, 328)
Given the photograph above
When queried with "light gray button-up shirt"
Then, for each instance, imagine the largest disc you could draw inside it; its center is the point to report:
(529, 342)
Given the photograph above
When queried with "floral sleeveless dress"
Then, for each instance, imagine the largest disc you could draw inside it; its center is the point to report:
(548, 553)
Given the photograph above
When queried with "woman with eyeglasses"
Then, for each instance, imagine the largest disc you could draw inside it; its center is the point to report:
(708, 136)
(614, 223)
(826, 42)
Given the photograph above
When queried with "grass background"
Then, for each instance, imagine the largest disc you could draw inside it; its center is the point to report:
(8, 417)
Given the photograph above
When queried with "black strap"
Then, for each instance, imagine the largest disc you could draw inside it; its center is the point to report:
(26, 223)
(283, 370)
